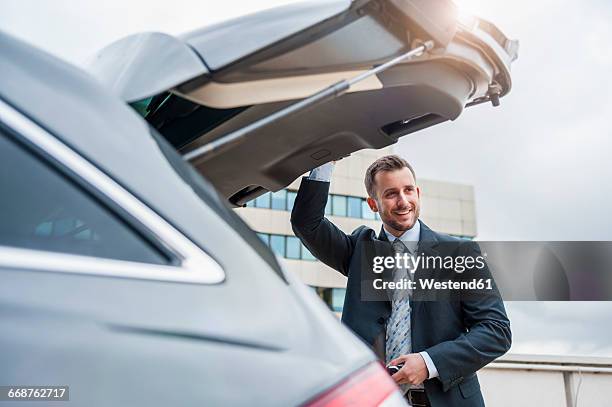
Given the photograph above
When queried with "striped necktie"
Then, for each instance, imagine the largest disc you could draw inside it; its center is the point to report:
(399, 340)
(398, 325)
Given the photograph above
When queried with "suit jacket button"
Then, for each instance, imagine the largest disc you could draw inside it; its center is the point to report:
(381, 320)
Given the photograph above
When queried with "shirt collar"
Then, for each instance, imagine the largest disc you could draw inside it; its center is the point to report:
(409, 238)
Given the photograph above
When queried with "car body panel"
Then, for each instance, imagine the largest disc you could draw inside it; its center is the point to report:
(143, 65)
(136, 339)
(155, 342)
(119, 340)
(294, 145)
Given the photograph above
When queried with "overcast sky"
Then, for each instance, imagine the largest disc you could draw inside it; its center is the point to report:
(539, 162)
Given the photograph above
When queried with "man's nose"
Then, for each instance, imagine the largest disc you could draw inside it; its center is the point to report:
(402, 199)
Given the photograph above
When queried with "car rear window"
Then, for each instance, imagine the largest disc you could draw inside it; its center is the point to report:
(42, 210)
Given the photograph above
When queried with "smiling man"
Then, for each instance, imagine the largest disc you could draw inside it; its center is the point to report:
(439, 344)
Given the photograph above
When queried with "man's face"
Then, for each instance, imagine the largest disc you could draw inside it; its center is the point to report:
(397, 200)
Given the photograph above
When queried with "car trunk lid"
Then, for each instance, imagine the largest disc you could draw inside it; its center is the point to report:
(243, 70)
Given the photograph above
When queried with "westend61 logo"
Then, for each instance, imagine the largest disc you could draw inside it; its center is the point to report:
(458, 264)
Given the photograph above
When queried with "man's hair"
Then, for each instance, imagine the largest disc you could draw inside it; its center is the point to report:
(386, 163)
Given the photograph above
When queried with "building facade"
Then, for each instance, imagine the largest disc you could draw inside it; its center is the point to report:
(446, 207)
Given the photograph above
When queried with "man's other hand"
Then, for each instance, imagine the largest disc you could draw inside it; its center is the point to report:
(414, 370)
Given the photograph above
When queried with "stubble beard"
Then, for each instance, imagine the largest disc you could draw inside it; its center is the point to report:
(401, 227)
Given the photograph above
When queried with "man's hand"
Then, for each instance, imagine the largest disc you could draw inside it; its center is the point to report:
(414, 370)
(323, 172)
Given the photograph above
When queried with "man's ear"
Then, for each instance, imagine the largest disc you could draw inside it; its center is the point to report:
(372, 204)
(418, 189)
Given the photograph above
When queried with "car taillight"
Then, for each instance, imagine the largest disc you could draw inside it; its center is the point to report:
(370, 386)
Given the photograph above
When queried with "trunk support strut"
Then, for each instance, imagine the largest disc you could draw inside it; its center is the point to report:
(331, 92)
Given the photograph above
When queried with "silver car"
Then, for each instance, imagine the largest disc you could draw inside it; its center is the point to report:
(124, 272)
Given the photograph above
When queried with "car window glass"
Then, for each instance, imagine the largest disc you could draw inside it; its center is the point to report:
(40, 209)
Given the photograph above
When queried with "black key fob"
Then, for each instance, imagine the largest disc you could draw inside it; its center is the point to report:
(394, 369)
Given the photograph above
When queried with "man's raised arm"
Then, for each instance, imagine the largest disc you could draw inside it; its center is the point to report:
(324, 239)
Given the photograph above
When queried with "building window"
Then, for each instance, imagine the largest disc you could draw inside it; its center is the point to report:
(279, 199)
(338, 205)
(325, 294)
(366, 212)
(263, 201)
(291, 199)
(354, 207)
(277, 244)
(333, 297)
(264, 238)
(337, 299)
(293, 248)
(289, 247)
(306, 255)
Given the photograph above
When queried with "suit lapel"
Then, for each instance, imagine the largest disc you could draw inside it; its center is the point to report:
(427, 242)
(428, 238)
(382, 235)
(383, 248)
(426, 247)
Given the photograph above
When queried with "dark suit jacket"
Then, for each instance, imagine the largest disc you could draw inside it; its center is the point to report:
(460, 335)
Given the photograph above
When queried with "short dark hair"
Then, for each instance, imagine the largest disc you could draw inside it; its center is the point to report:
(386, 163)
